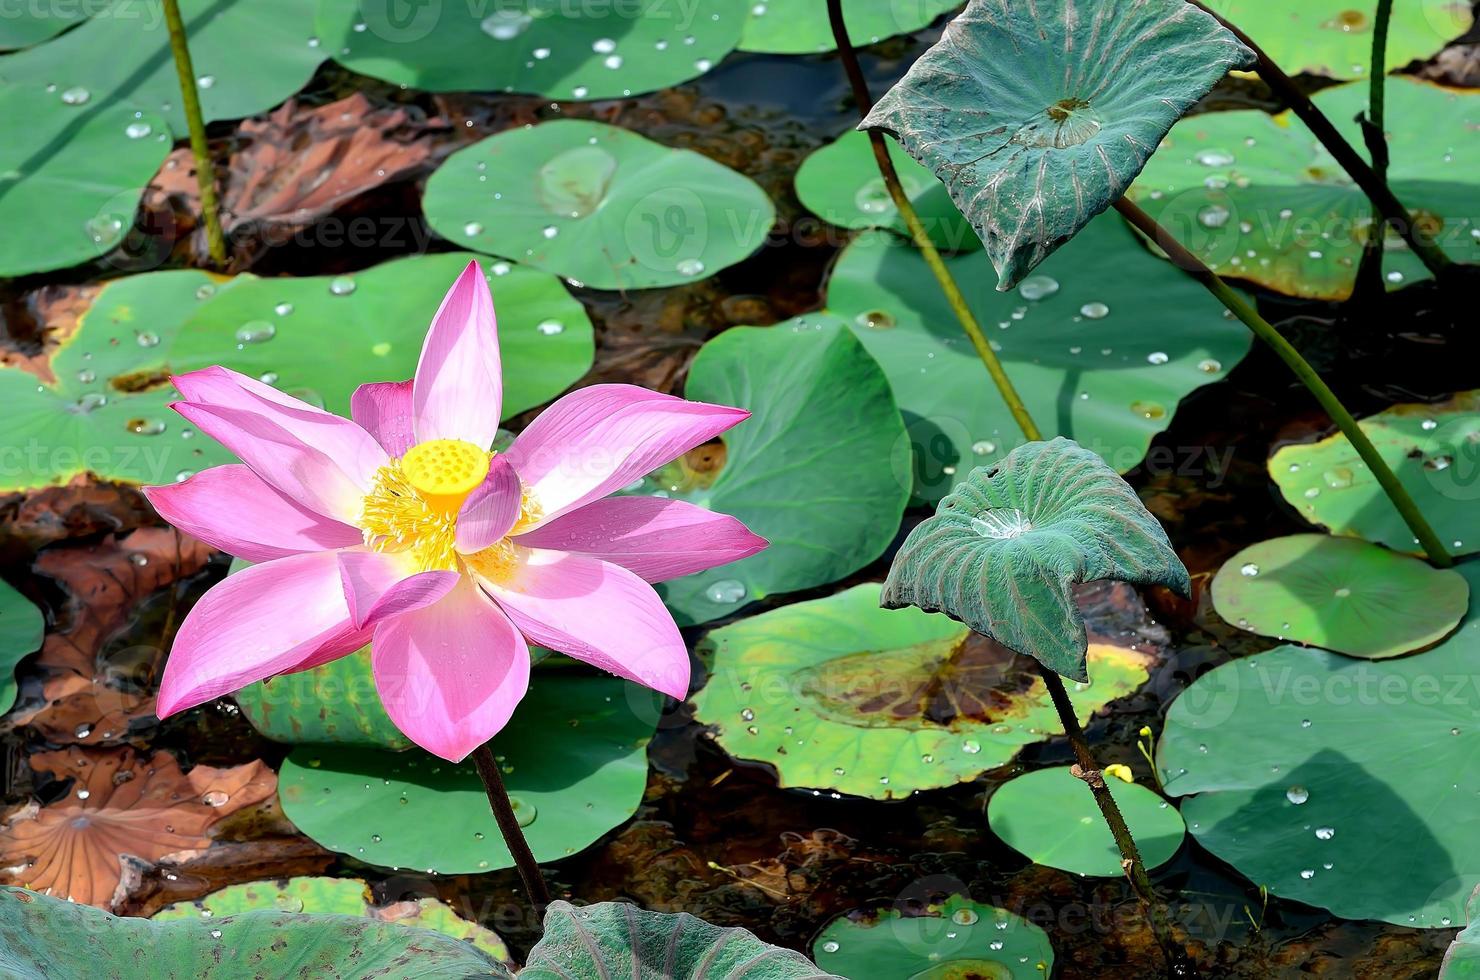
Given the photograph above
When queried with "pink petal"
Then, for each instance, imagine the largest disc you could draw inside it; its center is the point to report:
(283, 615)
(458, 390)
(656, 538)
(602, 438)
(300, 471)
(597, 612)
(491, 509)
(231, 508)
(450, 675)
(383, 409)
(353, 449)
(379, 586)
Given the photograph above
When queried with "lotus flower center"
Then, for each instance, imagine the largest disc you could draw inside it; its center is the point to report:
(444, 471)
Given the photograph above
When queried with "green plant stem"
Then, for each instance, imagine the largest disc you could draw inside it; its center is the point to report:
(205, 172)
(1089, 770)
(508, 825)
(1262, 329)
(1373, 184)
(1374, 126)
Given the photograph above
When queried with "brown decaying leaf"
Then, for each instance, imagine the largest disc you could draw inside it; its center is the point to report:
(48, 317)
(82, 508)
(120, 804)
(84, 701)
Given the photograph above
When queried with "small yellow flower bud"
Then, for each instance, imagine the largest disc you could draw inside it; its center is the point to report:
(1120, 772)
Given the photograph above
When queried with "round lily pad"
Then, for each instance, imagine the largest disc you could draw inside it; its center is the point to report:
(951, 940)
(560, 50)
(1339, 593)
(72, 179)
(336, 896)
(817, 470)
(1433, 449)
(840, 183)
(1340, 783)
(1257, 197)
(839, 694)
(333, 704)
(598, 204)
(1102, 343)
(1051, 816)
(574, 759)
(1334, 37)
(21, 629)
(802, 27)
(375, 322)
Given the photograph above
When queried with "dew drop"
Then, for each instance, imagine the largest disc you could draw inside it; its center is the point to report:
(283, 309)
(983, 447)
(971, 746)
(77, 95)
(690, 267)
(215, 798)
(1148, 410)
(726, 591)
(473, 229)
(341, 285)
(1157, 357)
(1325, 833)
(1308, 873)
(1214, 158)
(206, 81)
(255, 332)
(145, 427)
(1210, 365)
(1214, 216)
(1297, 794)
(1094, 311)
(1248, 570)
(830, 946)
(1035, 288)
(965, 917)
(137, 130)
(550, 231)
(550, 327)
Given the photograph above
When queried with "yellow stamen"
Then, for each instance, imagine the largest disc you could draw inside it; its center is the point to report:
(445, 471)
(398, 520)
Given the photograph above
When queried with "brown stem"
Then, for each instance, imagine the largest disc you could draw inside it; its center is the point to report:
(1368, 179)
(508, 825)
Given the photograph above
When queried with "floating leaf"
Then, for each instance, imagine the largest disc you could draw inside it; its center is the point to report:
(1005, 549)
(1051, 816)
(1344, 784)
(574, 759)
(1339, 593)
(563, 51)
(21, 629)
(618, 941)
(840, 183)
(957, 938)
(42, 938)
(1038, 117)
(335, 896)
(333, 704)
(1462, 959)
(1101, 344)
(840, 694)
(119, 804)
(26, 24)
(802, 27)
(1257, 197)
(1334, 37)
(598, 204)
(1433, 449)
(808, 472)
(72, 181)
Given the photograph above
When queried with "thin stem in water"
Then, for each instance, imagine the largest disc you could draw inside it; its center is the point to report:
(508, 825)
(1372, 183)
(1244, 310)
(205, 171)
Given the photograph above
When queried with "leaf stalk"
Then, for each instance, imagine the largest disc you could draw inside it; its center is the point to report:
(205, 172)
(508, 825)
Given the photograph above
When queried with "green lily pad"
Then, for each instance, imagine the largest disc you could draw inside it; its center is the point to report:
(618, 941)
(1101, 345)
(840, 183)
(1032, 152)
(840, 694)
(375, 322)
(77, 198)
(21, 629)
(802, 27)
(574, 759)
(807, 471)
(957, 939)
(105, 411)
(45, 938)
(1005, 549)
(1433, 449)
(1344, 784)
(26, 24)
(598, 204)
(1334, 37)
(333, 704)
(1051, 816)
(560, 50)
(1462, 959)
(1339, 593)
(336, 896)
(1257, 197)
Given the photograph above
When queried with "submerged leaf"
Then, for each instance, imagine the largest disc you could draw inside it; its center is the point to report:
(1005, 549)
(1038, 115)
(21, 627)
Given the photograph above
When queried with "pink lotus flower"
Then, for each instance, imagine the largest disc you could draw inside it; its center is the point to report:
(402, 530)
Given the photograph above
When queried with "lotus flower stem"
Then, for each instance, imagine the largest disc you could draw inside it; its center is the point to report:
(508, 825)
(1244, 310)
(1372, 183)
(1131, 857)
(205, 172)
